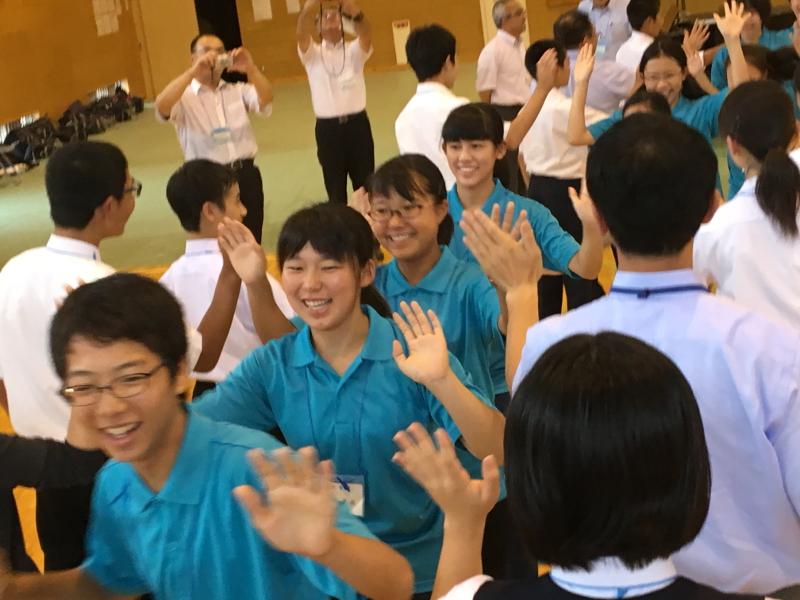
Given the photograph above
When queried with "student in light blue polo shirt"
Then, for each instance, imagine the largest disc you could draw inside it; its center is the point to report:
(473, 143)
(164, 516)
(349, 378)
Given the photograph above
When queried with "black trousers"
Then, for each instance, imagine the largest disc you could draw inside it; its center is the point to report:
(251, 190)
(345, 148)
(510, 176)
(553, 194)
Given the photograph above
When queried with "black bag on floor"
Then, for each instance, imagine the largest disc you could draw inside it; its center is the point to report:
(36, 141)
(72, 126)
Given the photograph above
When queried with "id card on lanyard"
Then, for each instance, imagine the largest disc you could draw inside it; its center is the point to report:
(350, 490)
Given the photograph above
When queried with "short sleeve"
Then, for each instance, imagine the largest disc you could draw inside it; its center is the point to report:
(109, 560)
(705, 248)
(252, 101)
(310, 55)
(538, 339)
(486, 78)
(487, 305)
(719, 75)
(558, 246)
(466, 590)
(357, 54)
(176, 115)
(242, 398)
(708, 119)
(599, 128)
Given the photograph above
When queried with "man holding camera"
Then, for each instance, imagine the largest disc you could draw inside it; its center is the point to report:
(211, 116)
(335, 69)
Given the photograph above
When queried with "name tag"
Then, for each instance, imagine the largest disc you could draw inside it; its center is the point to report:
(347, 83)
(222, 135)
(601, 50)
(350, 490)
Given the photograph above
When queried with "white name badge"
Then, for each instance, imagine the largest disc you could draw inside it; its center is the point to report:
(350, 490)
(221, 135)
(348, 83)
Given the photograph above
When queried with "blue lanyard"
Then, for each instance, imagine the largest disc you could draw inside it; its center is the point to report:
(645, 293)
(621, 592)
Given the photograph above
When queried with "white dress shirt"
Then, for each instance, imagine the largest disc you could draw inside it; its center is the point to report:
(336, 77)
(192, 279)
(418, 128)
(214, 124)
(501, 68)
(609, 86)
(630, 53)
(545, 147)
(744, 253)
(611, 24)
(745, 372)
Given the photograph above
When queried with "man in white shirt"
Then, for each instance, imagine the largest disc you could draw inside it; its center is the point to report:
(646, 20)
(611, 23)
(335, 69)
(211, 116)
(652, 181)
(431, 52)
(611, 83)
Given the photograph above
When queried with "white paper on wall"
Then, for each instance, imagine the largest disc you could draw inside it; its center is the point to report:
(292, 6)
(262, 10)
(400, 32)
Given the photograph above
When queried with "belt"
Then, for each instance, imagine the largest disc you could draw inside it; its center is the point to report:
(241, 163)
(343, 119)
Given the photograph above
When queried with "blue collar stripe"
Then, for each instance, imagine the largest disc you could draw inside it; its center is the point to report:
(644, 293)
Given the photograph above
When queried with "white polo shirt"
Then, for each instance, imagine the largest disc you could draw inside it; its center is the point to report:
(418, 128)
(214, 124)
(336, 77)
(611, 24)
(545, 147)
(501, 68)
(630, 53)
(743, 252)
(609, 86)
(192, 279)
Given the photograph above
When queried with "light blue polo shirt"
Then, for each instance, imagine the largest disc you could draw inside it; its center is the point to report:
(771, 40)
(558, 247)
(350, 419)
(192, 540)
(468, 309)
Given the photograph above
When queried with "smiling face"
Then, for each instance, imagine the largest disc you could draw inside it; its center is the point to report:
(137, 429)
(472, 161)
(408, 229)
(664, 75)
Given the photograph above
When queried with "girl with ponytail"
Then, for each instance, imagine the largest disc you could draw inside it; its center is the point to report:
(751, 248)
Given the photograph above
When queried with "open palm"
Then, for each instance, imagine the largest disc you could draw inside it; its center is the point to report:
(243, 251)
(428, 360)
(731, 23)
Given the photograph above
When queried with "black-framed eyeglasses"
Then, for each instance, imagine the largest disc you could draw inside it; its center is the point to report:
(384, 214)
(126, 386)
(136, 187)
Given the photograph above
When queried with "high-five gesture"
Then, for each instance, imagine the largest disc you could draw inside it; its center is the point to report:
(695, 38)
(242, 250)
(428, 361)
(299, 513)
(731, 23)
(584, 64)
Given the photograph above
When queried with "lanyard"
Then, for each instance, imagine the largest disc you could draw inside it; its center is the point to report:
(619, 592)
(645, 293)
(224, 112)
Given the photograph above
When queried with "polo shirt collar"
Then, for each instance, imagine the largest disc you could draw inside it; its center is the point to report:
(608, 576)
(64, 245)
(377, 346)
(497, 196)
(437, 280)
(430, 87)
(642, 37)
(202, 246)
(656, 279)
(508, 38)
(196, 86)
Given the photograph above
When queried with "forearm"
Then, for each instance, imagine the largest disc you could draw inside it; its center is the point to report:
(371, 567)
(485, 96)
(523, 313)
(363, 30)
(74, 584)
(589, 259)
(305, 25)
(705, 83)
(481, 425)
(460, 557)
(216, 323)
(577, 133)
(262, 85)
(171, 94)
(739, 71)
(268, 319)
(526, 118)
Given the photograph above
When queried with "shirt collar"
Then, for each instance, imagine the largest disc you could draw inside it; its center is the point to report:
(429, 87)
(508, 38)
(608, 576)
(202, 246)
(196, 86)
(457, 208)
(656, 279)
(377, 346)
(72, 247)
(436, 281)
(328, 46)
(642, 36)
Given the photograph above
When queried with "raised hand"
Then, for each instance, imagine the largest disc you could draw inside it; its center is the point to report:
(730, 25)
(299, 513)
(695, 39)
(245, 254)
(546, 70)
(242, 60)
(583, 206)
(508, 225)
(584, 64)
(428, 360)
(440, 473)
(207, 62)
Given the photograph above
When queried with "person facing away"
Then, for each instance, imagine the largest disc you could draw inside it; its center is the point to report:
(211, 118)
(646, 22)
(431, 52)
(202, 194)
(608, 476)
(652, 182)
(164, 516)
(335, 69)
(611, 23)
(751, 248)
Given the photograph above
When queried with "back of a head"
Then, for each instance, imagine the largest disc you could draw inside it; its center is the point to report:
(759, 117)
(121, 307)
(537, 49)
(643, 100)
(499, 12)
(652, 179)
(641, 10)
(755, 56)
(474, 121)
(428, 48)
(193, 184)
(605, 454)
(571, 29)
(80, 176)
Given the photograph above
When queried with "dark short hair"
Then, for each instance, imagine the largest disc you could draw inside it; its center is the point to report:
(652, 180)
(537, 50)
(202, 34)
(655, 102)
(605, 454)
(338, 232)
(80, 177)
(195, 183)
(121, 307)
(411, 176)
(428, 48)
(664, 47)
(755, 56)
(474, 121)
(641, 10)
(762, 7)
(572, 28)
